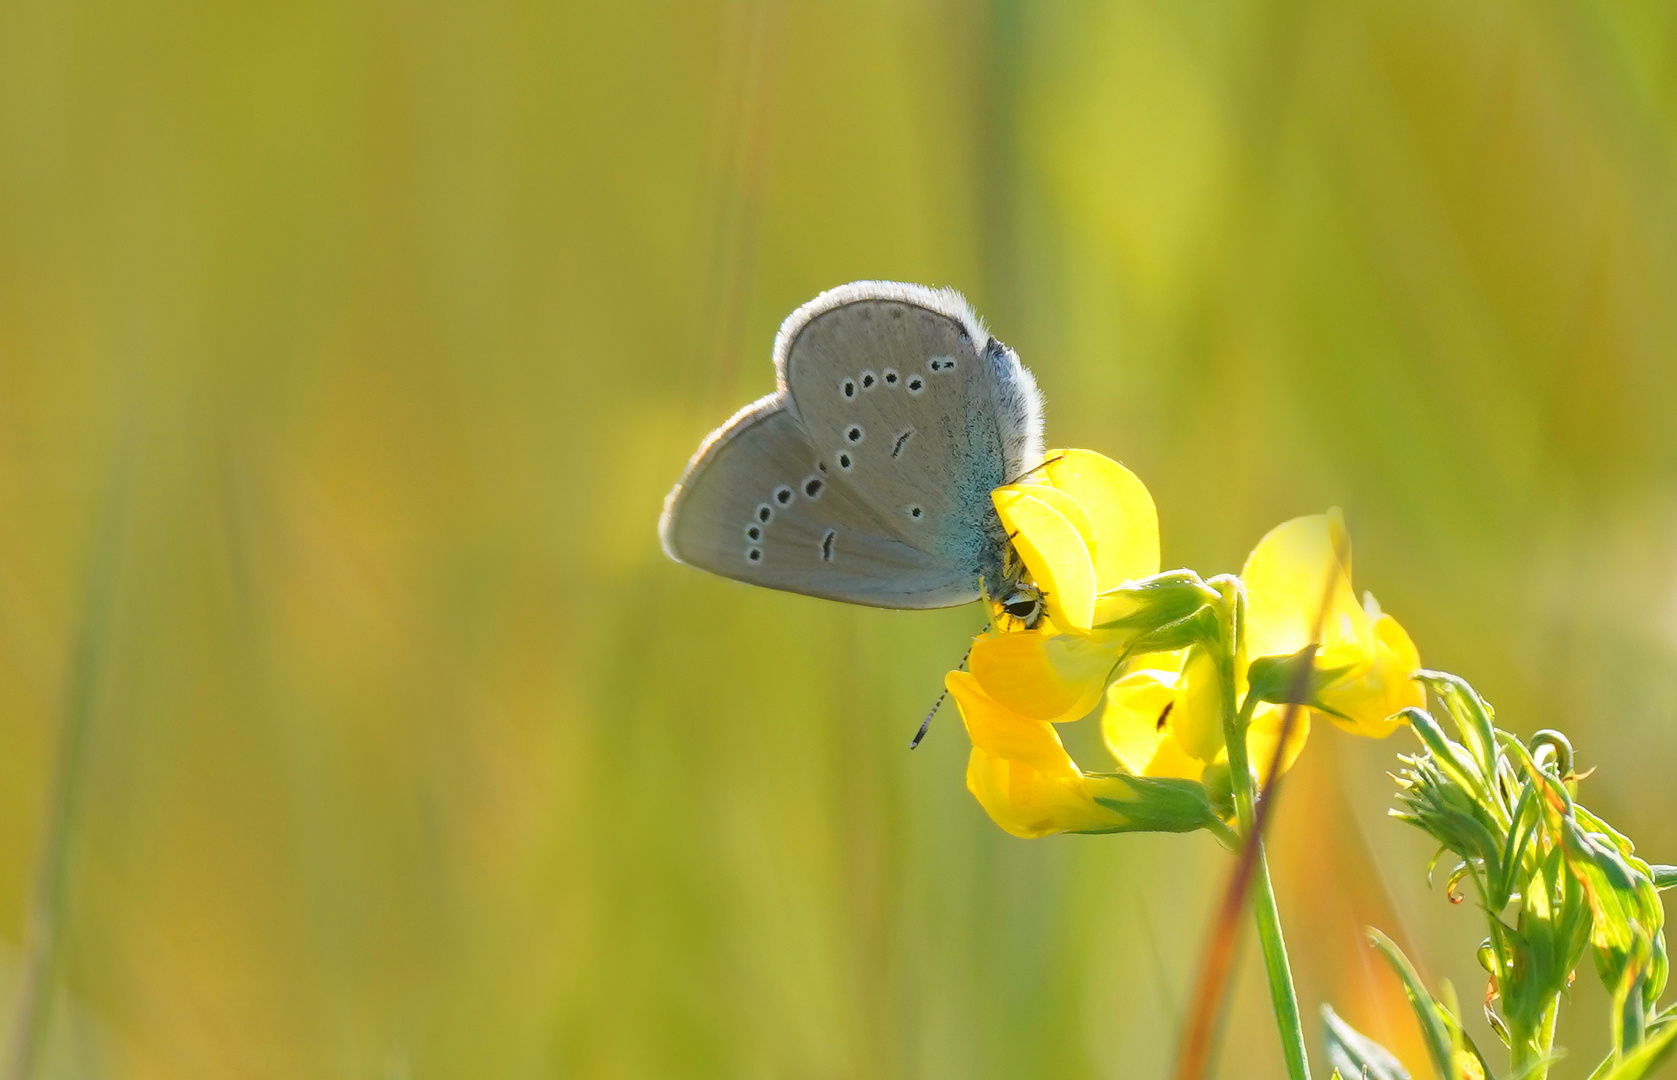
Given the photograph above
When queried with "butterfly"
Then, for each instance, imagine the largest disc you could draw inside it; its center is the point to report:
(866, 476)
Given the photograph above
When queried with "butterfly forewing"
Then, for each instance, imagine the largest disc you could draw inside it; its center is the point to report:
(756, 506)
(904, 394)
(867, 476)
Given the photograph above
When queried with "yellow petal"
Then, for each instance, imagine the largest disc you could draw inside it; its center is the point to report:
(1019, 771)
(1125, 522)
(1196, 716)
(1135, 716)
(1043, 675)
(1029, 804)
(1069, 508)
(1288, 574)
(1054, 552)
(1170, 760)
(1265, 732)
(1382, 685)
(1003, 733)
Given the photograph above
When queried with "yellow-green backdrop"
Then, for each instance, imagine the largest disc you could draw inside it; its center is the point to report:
(348, 347)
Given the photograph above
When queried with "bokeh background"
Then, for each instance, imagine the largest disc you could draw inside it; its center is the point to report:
(352, 723)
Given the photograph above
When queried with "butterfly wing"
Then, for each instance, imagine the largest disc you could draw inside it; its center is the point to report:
(755, 505)
(908, 400)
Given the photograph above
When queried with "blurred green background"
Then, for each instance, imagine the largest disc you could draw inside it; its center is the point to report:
(348, 347)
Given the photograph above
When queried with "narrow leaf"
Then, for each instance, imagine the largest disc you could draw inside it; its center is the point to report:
(1433, 1026)
(1643, 1060)
(1353, 1054)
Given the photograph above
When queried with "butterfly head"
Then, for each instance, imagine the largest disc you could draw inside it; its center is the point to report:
(1024, 602)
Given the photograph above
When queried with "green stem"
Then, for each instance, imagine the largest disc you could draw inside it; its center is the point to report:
(1283, 998)
(1282, 995)
(1531, 1057)
(38, 970)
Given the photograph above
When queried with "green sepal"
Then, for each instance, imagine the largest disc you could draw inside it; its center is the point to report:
(1155, 601)
(1198, 628)
(1161, 804)
(1218, 781)
(1289, 680)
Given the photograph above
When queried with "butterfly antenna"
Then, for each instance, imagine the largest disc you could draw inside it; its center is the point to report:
(936, 705)
(1036, 468)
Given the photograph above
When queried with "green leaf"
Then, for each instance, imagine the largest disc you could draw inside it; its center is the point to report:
(1435, 1029)
(1665, 877)
(1470, 712)
(1643, 1060)
(1351, 1053)
(1454, 758)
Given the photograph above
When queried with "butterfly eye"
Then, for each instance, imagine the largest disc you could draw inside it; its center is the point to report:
(1024, 606)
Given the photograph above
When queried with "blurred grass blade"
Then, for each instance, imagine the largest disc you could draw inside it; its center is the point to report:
(1351, 1053)
(50, 900)
(1643, 1060)
(1434, 1028)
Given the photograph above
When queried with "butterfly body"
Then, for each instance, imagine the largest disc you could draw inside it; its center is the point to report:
(866, 476)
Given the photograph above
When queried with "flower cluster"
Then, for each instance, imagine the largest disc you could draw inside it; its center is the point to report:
(1553, 881)
(1172, 662)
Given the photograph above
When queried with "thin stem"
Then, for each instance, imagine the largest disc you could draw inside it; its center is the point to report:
(50, 901)
(1283, 997)
(1250, 872)
(1531, 1053)
(1225, 835)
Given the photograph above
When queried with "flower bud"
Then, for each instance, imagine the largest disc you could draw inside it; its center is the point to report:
(1153, 602)
(1154, 803)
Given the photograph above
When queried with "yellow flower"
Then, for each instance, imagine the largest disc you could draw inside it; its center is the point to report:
(1021, 774)
(1019, 771)
(1368, 657)
(1088, 535)
(1167, 720)
(1082, 525)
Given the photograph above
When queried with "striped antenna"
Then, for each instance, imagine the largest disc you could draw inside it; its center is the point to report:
(936, 705)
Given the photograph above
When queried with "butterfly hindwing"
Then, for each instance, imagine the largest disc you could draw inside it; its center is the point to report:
(755, 505)
(903, 393)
